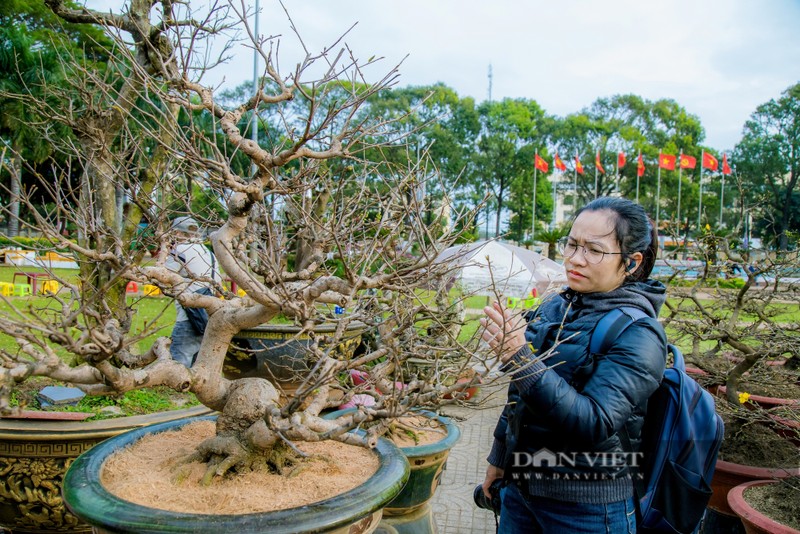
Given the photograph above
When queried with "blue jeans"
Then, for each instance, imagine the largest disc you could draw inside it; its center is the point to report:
(185, 343)
(528, 515)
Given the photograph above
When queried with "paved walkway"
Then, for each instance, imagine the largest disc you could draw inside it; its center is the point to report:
(453, 508)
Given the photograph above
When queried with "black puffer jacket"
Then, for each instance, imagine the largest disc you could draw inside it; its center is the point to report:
(564, 413)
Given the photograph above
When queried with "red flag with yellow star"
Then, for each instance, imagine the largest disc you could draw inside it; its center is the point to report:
(540, 164)
(710, 162)
(559, 164)
(578, 165)
(726, 169)
(598, 164)
(621, 161)
(640, 167)
(666, 161)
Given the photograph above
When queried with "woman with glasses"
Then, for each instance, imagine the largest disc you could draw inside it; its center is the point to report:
(567, 438)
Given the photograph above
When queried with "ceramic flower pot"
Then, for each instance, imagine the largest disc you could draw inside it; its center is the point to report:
(35, 455)
(754, 521)
(761, 401)
(278, 352)
(410, 512)
(356, 511)
(728, 475)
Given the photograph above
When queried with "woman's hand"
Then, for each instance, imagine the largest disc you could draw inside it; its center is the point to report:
(492, 474)
(503, 331)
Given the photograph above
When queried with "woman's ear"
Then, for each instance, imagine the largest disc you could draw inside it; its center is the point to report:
(634, 260)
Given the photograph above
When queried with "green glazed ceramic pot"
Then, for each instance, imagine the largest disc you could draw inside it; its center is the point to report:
(277, 352)
(408, 512)
(35, 455)
(357, 511)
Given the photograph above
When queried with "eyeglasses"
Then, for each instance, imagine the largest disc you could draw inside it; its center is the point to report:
(591, 253)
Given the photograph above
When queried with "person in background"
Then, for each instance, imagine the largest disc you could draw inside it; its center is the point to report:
(558, 446)
(191, 259)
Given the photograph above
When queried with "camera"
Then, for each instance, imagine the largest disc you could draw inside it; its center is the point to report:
(493, 503)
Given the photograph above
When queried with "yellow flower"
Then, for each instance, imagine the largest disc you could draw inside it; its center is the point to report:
(743, 397)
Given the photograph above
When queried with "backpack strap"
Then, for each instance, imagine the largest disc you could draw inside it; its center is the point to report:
(607, 330)
(611, 325)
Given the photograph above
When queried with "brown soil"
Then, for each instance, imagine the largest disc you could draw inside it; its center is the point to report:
(765, 380)
(753, 443)
(413, 431)
(780, 501)
(772, 382)
(150, 473)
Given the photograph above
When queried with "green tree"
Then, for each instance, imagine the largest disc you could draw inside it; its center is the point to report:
(511, 131)
(768, 159)
(34, 44)
(439, 126)
(520, 222)
(631, 124)
(551, 237)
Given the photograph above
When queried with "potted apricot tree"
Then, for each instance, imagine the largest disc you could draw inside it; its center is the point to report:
(743, 337)
(317, 225)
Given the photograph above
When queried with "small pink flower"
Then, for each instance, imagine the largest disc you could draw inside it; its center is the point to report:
(361, 399)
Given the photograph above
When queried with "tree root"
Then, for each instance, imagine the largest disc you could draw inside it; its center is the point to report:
(226, 453)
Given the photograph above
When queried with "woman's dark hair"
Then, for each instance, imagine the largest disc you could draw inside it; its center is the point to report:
(633, 230)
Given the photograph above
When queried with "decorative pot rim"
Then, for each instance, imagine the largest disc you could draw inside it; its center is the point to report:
(43, 430)
(416, 451)
(744, 510)
(781, 401)
(757, 472)
(90, 501)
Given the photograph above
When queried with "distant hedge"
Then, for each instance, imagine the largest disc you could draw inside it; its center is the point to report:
(30, 243)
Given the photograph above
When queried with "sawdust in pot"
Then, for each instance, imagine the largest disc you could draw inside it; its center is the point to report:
(149, 473)
(416, 430)
(779, 501)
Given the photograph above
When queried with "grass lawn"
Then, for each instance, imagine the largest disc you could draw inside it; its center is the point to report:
(152, 317)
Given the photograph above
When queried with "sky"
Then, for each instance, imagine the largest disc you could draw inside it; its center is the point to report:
(719, 59)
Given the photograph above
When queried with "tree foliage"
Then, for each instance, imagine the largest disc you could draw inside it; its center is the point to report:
(35, 44)
(768, 159)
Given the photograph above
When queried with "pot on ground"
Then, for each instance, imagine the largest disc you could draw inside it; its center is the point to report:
(755, 522)
(728, 475)
(761, 401)
(356, 511)
(34, 456)
(409, 512)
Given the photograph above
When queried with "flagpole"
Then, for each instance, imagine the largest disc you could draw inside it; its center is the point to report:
(680, 179)
(254, 131)
(658, 190)
(533, 214)
(617, 179)
(700, 196)
(721, 197)
(576, 183)
(555, 203)
(637, 176)
(596, 158)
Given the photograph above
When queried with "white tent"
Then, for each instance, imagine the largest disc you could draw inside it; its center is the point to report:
(486, 267)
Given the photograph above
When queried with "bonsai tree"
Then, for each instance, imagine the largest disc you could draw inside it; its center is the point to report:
(735, 308)
(307, 216)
